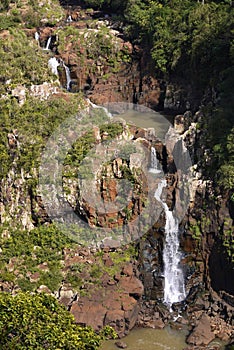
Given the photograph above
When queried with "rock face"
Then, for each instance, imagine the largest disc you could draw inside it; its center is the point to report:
(203, 262)
(101, 63)
(127, 76)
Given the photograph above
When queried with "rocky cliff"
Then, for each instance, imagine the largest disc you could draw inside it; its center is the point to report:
(112, 286)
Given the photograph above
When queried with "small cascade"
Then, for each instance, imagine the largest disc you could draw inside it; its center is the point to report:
(37, 36)
(68, 76)
(53, 64)
(174, 289)
(154, 163)
(100, 107)
(69, 19)
(48, 44)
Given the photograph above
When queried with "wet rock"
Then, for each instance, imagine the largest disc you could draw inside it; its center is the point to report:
(121, 344)
(179, 124)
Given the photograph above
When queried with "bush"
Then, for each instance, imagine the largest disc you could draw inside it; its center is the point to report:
(37, 321)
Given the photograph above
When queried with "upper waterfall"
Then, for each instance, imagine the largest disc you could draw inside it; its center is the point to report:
(48, 44)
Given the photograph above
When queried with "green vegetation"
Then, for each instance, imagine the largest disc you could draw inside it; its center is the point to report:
(189, 35)
(188, 39)
(29, 13)
(106, 5)
(28, 63)
(37, 321)
(34, 122)
(27, 251)
(99, 45)
(196, 231)
(119, 259)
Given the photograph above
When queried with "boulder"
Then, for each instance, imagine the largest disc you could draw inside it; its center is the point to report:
(201, 334)
(131, 285)
(89, 313)
(121, 344)
(116, 319)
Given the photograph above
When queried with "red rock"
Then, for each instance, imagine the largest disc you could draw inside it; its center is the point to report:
(128, 303)
(131, 316)
(90, 313)
(131, 285)
(128, 270)
(201, 334)
(116, 319)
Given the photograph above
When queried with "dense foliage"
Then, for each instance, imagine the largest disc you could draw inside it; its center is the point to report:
(194, 35)
(38, 322)
(34, 122)
(28, 63)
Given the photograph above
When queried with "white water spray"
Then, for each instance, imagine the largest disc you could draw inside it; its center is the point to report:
(174, 289)
(154, 163)
(53, 64)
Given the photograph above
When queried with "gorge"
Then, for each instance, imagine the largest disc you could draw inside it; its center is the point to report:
(176, 270)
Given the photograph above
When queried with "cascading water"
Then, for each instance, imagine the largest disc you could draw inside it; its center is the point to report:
(53, 64)
(154, 164)
(48, 44)
(68, 76)
(104, 108)
(174, 289)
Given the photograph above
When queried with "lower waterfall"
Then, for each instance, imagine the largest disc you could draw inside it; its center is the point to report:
(174, 288)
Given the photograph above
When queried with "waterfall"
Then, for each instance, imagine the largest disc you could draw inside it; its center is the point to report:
(37, 36)
(154, 164)
(100, 107)
(53, 64)
(48, 44)
(174, 289)
(68, 76)
(69, 19)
